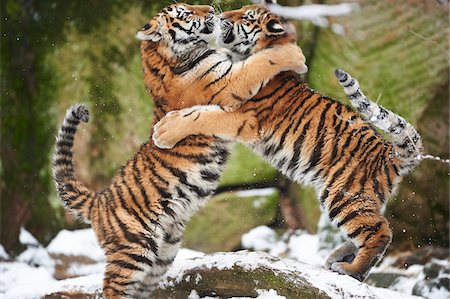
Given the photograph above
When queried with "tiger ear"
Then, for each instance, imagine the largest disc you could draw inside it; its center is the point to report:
(149, 32)
(275, 27)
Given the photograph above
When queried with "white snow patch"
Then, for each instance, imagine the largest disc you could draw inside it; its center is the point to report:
(26, 238)
(36, 282)
(77, 269)
(383, 293)
(16, 276)
(258, 203)
(80, 243)
(37, 257)
(260, 238)
(338, 29)
(315, 13)
(300, 246)
(185, 253)
(305, 248)
(3, 254)
(269, 294)
(256, 192)
(262, 294)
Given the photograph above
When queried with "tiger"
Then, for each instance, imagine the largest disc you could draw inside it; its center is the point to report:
(140, 217)
(315, 140)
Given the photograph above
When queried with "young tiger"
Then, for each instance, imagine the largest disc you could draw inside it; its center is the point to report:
(315, 140)
(140, 218)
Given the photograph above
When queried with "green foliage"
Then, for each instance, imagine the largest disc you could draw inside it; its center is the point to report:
(56, 54)
(245, 167)
(220, 224)
(397, 60)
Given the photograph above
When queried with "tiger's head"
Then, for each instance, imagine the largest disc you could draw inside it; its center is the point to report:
(253, 28)
(181, 27)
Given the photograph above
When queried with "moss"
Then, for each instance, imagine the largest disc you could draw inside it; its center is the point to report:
(238, 282)
(246, 167)
(309, 204)
(219, 225)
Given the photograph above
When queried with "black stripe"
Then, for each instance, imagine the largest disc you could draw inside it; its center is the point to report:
(128, 208)
(152, 167)
(209, 176)
(126, 265)
(64, 143)
(168, 239)
(317, 152)
(182, 177)
(69, 130)
(298, 146)
(212, 68)
(274, 91)
(139, 258)
(353, 215)
(219, 78)
(143, 210)
(185, 67)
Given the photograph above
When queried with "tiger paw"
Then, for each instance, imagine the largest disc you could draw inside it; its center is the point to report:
(345, 253)
(347, 269)
(169, 130)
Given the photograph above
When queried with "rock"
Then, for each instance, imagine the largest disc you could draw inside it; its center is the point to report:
(220, 224)
(383, 280)
(232, 274)
(437, 280)
(421, 256)
(241, 273)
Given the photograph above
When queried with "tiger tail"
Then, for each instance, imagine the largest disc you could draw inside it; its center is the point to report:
(73, 193)
(405, 138)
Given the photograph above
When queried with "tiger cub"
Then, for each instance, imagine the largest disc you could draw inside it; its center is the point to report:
(140, 218)
(315, 140)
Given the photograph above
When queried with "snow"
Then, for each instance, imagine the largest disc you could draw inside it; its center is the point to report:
(3, 254)
(31, 274)
(301, 246)
(27, 239)
(44, 285)
(77, 243)
(17, 275)
(37, 257)
(272, 294)
(315, 13)
(262, 294)
(256, 192)
(260, 238)
(333, 284)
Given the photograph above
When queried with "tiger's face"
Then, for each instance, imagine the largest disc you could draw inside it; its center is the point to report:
(181, 27)
(253, 28)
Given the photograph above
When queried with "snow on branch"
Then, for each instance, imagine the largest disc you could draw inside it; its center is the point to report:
(315, 13)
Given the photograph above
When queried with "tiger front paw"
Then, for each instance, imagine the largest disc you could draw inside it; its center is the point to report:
(169, 130)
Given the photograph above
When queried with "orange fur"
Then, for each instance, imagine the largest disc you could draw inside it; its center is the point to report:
(315, 140)
(140, 218)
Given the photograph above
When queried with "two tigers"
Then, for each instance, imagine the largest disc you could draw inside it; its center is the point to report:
(140, 218)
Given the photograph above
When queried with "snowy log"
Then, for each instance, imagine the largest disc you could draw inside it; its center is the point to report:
(241, 274)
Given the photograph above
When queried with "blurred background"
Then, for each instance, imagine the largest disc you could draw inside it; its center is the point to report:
(55, 54)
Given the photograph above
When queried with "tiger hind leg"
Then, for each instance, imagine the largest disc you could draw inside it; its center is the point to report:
(372, 240)
(125, 278)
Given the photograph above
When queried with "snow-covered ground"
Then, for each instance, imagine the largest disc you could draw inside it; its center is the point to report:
(31, 274)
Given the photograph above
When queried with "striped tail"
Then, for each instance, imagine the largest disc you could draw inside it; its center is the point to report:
(406, 140)
(75, 195)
